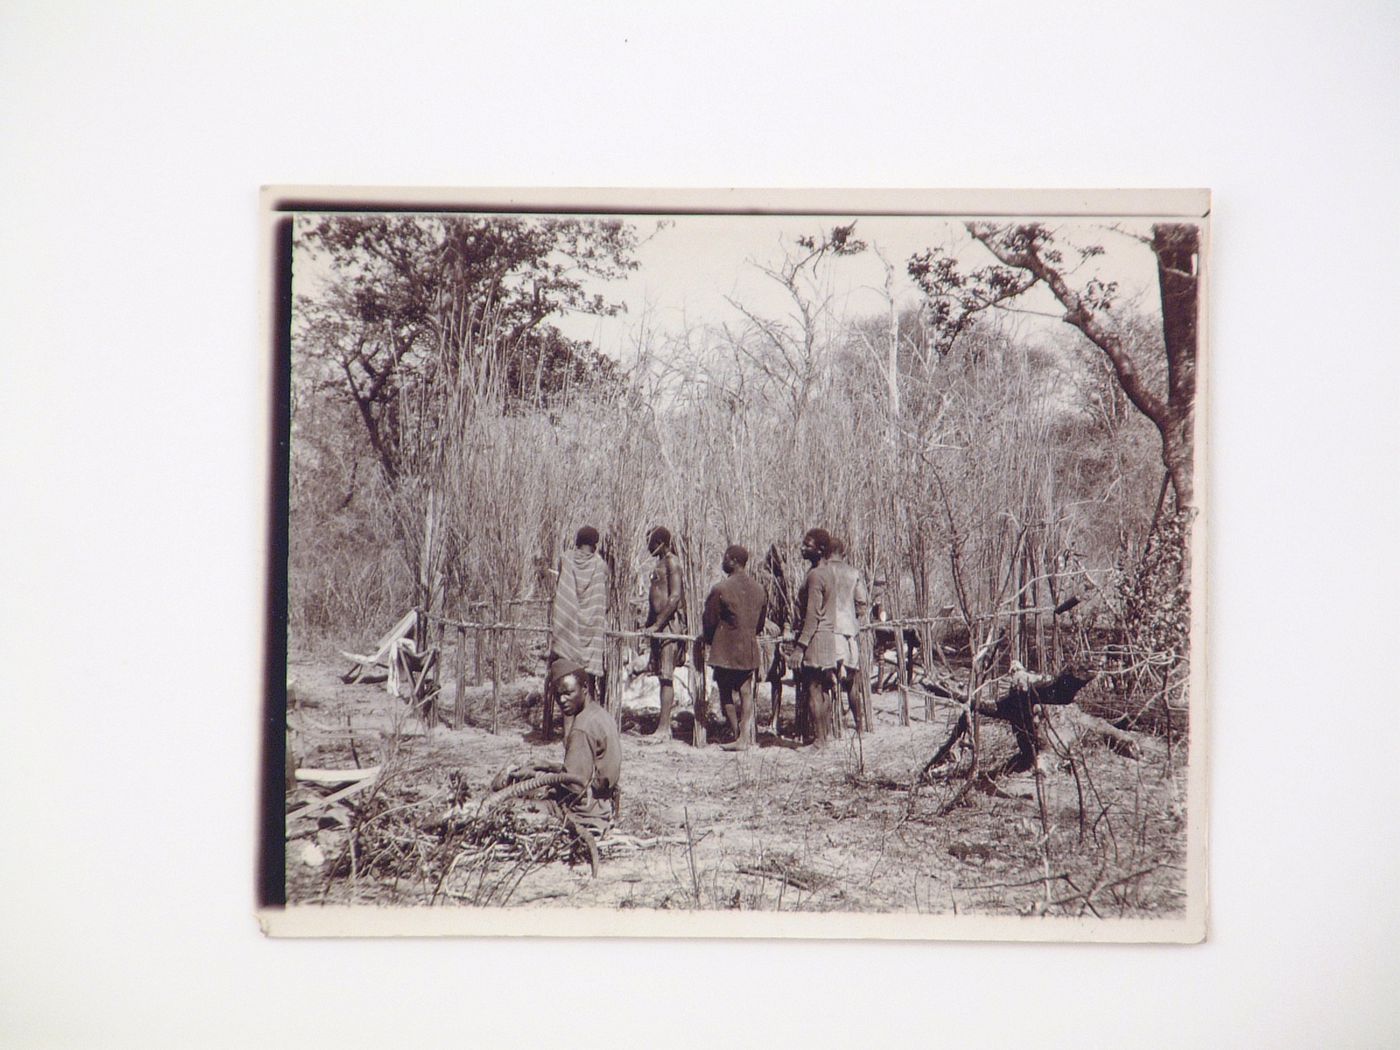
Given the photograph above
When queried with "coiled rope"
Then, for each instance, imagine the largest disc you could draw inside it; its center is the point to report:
(524, 787)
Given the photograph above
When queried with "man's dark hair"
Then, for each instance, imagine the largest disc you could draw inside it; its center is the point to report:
(587, 537)
(658, 535)
(821, 540)
(739, 555)
(838, 545)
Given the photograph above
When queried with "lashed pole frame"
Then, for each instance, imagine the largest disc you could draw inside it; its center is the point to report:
(617, 638)
(928, 638)
(495, 631)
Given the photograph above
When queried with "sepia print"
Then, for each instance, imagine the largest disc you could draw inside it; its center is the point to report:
(688, 563)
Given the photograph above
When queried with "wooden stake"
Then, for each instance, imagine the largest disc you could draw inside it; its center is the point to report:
(547, 717)
(495, 681)
(900, 677)
(699, 735)
(476, 642)
(613, 686)
(459, 714)
(512, 650)
(867, 657)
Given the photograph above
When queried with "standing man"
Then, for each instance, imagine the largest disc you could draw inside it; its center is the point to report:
(850, 601)
(664, 598)
(578, 615)
(733, 620)
(776, 591)
(817, 646)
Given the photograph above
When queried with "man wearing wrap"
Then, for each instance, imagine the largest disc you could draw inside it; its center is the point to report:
(578, 616)
(664, 598)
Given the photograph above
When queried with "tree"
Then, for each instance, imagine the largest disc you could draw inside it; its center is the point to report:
(788, 355)
(1027, 255)
(409, 295)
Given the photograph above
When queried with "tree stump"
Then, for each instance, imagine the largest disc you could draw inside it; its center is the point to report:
(1014, 699)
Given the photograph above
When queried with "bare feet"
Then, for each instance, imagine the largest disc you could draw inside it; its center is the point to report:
(668, 703)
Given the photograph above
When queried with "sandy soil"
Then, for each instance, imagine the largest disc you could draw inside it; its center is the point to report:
(778, 827)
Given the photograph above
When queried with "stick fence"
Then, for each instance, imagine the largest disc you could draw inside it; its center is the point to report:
(488, 634)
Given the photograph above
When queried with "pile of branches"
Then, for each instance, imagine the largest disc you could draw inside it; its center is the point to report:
(468, 853)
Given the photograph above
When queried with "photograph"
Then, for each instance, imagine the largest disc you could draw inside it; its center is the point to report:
(837, 525)
(823, 564)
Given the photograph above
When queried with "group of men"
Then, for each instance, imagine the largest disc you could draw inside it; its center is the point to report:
(738, 612)
(825, 647)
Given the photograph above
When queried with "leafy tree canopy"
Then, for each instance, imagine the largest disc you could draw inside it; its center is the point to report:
(408, 296)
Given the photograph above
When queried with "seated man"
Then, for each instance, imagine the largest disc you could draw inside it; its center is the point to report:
(592, 753)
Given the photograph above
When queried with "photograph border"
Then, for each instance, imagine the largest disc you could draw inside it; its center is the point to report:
(280, 203)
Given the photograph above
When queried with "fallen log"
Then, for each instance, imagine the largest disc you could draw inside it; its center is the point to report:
(1014, 698)
(1121, 741)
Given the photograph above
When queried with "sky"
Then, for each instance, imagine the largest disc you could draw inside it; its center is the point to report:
(691, 267)
(693, 270)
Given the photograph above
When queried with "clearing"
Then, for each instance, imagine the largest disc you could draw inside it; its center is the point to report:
(780, 827)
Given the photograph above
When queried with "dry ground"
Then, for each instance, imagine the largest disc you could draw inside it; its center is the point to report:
(779, 827)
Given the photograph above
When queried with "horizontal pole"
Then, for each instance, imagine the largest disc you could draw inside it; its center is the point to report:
(926, 621)
(474, 626)
(663, 636)
(667, 636)
(538, 629)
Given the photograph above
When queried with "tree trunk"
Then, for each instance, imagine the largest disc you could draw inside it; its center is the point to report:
(1177, 247)
(699, 735)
